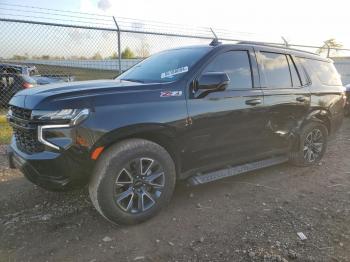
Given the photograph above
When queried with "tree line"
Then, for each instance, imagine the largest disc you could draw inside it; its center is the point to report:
(127, 53)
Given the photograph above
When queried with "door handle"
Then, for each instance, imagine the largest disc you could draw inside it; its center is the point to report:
(301, 99)
(253, 102)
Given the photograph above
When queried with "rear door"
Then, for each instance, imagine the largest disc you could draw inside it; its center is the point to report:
(226, 125)
(286, 97)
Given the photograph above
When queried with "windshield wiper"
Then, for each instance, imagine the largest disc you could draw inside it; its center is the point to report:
(132, 80)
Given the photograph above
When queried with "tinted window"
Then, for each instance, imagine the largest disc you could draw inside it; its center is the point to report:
(165, 66)
(300, 63)
(293, 72)
(325, 72)
(3, 82)
(236, 65)
(276, 70)
(7, 81)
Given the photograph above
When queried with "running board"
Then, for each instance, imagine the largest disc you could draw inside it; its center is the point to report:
(236, 170)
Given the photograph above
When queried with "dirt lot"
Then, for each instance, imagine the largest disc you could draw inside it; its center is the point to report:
(253, 217)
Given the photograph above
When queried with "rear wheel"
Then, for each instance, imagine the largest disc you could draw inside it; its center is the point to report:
(312, 145)
(132, 181)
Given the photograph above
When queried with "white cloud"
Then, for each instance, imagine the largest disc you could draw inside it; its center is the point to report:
(104, 5)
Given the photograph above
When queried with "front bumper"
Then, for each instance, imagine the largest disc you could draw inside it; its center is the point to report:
(61, 170)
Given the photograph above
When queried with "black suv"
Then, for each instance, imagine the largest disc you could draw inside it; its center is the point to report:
(200, 113)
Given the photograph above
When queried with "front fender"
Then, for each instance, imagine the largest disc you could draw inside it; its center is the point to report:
(134, 131)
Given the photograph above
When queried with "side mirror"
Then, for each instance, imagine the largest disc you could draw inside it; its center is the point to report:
(212, 81)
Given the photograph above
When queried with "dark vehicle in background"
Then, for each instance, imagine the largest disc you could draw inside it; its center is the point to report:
(11, 83)
(14, 78)
(32, 71)
(200, 113)
(347, 106)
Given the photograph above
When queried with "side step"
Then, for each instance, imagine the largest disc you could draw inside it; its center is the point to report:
(236, 170)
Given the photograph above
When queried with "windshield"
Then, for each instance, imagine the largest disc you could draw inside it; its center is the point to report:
(165, 66)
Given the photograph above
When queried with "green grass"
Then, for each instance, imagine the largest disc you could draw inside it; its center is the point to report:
(5, 131)
(2, 118)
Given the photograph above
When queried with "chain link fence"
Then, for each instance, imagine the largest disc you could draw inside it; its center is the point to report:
(50, 46)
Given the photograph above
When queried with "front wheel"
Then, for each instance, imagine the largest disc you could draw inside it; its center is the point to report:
(312, 145)
(132, 181)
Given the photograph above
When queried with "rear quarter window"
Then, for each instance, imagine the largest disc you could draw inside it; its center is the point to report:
(304, 76)
(325, 72)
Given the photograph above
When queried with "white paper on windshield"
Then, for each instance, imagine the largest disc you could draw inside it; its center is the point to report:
(171, 73)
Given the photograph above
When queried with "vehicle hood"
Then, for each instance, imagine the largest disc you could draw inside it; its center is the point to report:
(79, 93)
(43, 80)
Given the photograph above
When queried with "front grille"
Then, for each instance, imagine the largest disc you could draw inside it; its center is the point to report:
(21, 113)
(27, 141)
(25, 131)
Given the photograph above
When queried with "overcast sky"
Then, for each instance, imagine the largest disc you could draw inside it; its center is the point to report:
(300, 21)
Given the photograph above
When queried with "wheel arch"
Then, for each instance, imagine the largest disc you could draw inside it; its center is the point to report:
(160, 134)
(322, 116)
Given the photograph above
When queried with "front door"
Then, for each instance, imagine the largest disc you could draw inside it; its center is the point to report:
(226, 125)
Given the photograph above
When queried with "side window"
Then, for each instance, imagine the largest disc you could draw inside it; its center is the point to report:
(300, 63)
(6, 81)
(276, 70)
(293, 72)
(325, 71)
(237, 66)
(3, 82)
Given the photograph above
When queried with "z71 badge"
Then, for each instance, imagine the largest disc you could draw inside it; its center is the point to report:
(170, 93)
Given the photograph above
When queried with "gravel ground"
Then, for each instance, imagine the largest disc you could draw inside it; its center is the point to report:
(252, 217)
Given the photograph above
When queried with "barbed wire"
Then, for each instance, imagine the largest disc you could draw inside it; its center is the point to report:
(56, 19)
(133, 24)
(45, 13)
(125, 22)
(50, 9)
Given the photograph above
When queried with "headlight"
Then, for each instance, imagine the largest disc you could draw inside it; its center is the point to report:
(57, 119)
(69, 116)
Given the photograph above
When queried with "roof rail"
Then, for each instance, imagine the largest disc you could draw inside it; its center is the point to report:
(274, 45)
(260, 43)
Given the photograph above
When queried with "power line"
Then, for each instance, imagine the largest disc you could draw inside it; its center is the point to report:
(57, 19)
(38, 12)
(149, 22)
(149, 26)
(50, 9)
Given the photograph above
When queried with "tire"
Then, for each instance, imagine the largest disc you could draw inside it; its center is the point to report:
(132, 181)
(307, 153)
